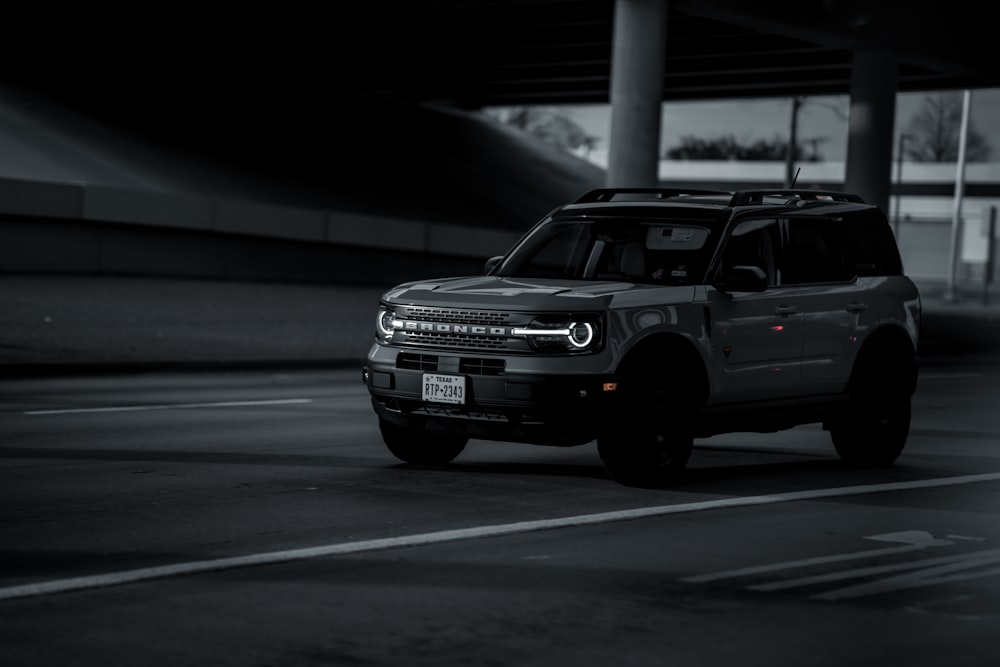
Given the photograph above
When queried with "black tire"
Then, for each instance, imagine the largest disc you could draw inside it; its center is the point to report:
(420, 446)
(873, 431)
(648, 442)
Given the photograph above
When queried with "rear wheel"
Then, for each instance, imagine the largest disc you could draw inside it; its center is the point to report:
(873, 431)
(420, 446)
(648, 442)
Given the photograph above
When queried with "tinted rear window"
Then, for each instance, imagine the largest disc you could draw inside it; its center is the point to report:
(871, 247)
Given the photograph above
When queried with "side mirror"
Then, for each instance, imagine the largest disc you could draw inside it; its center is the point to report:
(743, 279)
(491, 264)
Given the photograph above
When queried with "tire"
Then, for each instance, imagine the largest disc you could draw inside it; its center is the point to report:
(648, 442)
(420, 446)
(873, 431)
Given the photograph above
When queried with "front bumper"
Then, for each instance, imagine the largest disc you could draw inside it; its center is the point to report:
(529, 407)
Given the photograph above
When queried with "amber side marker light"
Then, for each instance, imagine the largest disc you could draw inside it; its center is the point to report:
(610, 386)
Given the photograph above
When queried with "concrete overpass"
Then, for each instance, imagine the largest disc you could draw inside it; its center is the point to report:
(363, 109)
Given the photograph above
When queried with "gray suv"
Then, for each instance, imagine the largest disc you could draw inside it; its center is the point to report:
(646, 318)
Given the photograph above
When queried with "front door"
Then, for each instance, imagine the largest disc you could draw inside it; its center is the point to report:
(756, 336)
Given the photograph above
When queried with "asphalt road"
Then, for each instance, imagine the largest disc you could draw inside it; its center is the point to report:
(252, 517)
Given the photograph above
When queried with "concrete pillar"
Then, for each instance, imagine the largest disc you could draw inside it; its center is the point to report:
(637, 61)
(871, 126)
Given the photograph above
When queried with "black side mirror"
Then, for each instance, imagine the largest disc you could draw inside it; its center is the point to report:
(743, 279)
(491, 264)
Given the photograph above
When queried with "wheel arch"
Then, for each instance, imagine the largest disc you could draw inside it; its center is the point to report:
(673, 354)
(889, 346)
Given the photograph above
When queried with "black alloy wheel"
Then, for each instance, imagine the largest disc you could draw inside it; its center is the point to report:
(873, 431)
(648, 442)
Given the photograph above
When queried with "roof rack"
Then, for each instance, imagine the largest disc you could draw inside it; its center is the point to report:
(745, 197)
(640, 194)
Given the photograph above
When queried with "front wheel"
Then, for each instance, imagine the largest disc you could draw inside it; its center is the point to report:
(420, 446)
(651, 461)
(648, 443)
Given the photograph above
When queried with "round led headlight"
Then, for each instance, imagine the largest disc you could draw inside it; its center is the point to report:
(581, 334)
(552, 335)
(384, 323)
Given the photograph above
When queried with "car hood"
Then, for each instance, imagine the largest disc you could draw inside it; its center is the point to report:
(534, 294)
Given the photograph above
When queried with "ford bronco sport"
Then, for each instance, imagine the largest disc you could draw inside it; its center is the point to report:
(646, 318)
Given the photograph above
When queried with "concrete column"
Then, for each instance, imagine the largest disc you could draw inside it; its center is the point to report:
(871, 127)
(637, 60)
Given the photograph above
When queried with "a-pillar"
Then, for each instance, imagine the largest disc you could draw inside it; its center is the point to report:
(637, 62)
(874, 79)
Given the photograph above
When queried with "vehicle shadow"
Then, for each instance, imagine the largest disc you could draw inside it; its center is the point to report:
(769, 471)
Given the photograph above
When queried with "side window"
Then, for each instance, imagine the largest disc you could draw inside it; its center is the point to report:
(754, 243)
(814, 253)
(871, 247)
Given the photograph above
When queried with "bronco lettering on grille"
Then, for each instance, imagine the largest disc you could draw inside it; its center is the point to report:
(440, 327)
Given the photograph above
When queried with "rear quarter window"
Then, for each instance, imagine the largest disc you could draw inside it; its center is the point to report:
(870, 246)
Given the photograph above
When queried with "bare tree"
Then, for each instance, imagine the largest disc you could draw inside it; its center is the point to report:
(793, 150)
(932, 134)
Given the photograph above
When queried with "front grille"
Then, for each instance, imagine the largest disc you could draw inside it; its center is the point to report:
(432, 328)
(460, 341)
(417, 362)
(482, 366)
(429, 363)
(455, 315)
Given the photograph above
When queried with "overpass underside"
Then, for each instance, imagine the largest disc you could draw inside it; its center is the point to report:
(429, 185)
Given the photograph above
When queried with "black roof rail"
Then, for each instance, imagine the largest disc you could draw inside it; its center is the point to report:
(608, 194)
(745, 197)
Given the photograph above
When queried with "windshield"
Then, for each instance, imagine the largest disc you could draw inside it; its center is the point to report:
(654, 252)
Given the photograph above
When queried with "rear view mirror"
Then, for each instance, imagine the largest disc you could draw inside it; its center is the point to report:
(491, 264)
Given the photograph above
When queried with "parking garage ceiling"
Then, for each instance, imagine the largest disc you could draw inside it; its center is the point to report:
(480, 53)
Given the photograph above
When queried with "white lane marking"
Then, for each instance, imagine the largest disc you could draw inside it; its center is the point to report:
(172, 406)
(926, 577)
(962, 560)
(143, 574)
(805, 562)
(914, 540)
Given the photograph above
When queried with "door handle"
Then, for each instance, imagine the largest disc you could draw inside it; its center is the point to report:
(786, 310)
(856, 307)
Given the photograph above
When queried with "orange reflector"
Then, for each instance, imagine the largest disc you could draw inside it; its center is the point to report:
(610, 386)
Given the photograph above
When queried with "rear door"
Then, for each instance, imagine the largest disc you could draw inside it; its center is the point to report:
(835, 302)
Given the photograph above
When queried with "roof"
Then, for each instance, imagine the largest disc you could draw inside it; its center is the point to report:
(773, 196)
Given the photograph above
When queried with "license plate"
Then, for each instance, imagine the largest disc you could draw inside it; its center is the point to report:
(444, 388)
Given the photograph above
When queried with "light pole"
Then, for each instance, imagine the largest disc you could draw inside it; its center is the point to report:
(951, 291)
(793, 131)
(899, 184)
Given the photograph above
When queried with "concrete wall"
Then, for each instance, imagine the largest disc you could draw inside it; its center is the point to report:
(59, 228)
